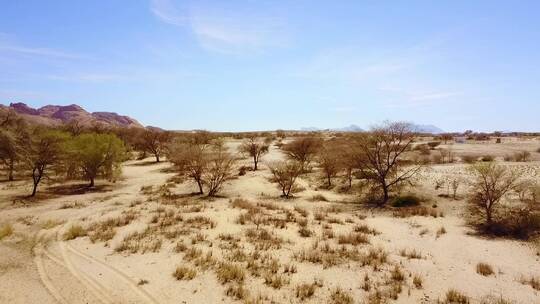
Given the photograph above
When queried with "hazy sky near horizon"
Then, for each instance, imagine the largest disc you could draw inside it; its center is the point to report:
(261, 65)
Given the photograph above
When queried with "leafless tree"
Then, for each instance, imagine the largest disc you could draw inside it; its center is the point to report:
(303, 150)
(491, 183)
(155, 141)
(328, 159)
(285, 174)
(190, 160)
(255, 149)
(219, 170)
(381, 156)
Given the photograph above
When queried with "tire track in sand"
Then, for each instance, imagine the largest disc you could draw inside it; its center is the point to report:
(38, 259)
(123, 276)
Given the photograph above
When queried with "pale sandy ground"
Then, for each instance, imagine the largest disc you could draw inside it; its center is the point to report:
(37, 266)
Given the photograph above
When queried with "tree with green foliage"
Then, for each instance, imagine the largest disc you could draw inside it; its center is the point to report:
(9, 153)
(40, 151)
(96, 155)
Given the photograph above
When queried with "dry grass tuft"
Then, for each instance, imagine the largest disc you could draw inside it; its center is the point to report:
(305, 290)
(339, 296)
(229, 272)
(74, 232)
(304, 232)
(49, 224)
(534, 282)
(455, 297)
(410, 254)
(363, 228)
(184, 273)
(484, 269)
(440, 232)
(275, 281)
(353, 238)
(237, 292)
(6, 230)
(417, 281)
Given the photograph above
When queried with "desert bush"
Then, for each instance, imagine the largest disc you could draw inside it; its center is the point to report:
(469, 159)
(219, 170)
(484, 269)
(285, 173)
(302, 150)
(487, 158)
(255, 149)
(433, 144)
(9, 151)
(423, 149)
(405, 201)
(353, 238)
(184, 273)
(522, 156)
(304, 232)
(491, 183)
(74, 232)
(5, 230)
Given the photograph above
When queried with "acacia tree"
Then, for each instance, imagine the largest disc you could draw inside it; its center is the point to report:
(328, 159)
(155, 141)
(255, 149)
(9, 152)
(491, 183)
(302, 150)
(40, 151)
(208, 164)
(285, 174)
(96, 155)
(219, 170)
(381, 156)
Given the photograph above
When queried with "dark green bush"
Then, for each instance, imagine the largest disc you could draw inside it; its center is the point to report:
(405, 201)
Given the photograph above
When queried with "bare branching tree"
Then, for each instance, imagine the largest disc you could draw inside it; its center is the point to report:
(219, 170)
(155, 141)
(285, 174)
(491, 183)
(255, 149)
(9, 152)
(303, 150)
(329, 160)
(381, 156)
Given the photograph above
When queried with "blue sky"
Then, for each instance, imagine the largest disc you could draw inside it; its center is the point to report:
(261, 65)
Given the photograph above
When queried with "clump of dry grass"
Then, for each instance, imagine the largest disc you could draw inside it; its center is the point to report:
(534, 282)
(455, 297)
(192, 253)
(229, 272)
(417, 211)
(237, 292)
(199, 222)
(363, 228)
(275, 281)
(440, 232)
(262, 239)
(289, 268)
(74, 232)
(339, 296)
(184, 273)
(304, 232)
(145, 241)
(305, 290)
(6, 230)
(484, 269)
(410, 254)
(353, 238)
(49, 224)
(303, 212)
(180, 247)
(242, 204)
(418, 281)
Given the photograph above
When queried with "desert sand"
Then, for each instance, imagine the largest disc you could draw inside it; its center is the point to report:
(167, 226)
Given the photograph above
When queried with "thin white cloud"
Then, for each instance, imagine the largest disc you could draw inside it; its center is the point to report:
(45, 52)
(218, 28)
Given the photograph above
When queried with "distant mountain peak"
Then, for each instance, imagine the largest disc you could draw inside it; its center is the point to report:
(57, 114)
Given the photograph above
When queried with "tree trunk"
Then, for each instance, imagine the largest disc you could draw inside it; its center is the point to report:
(91, 183)
(34, 190)
(254, 163)
(385, 195)
(329, 181)
(157, 158)
(11, 169)
(200, 187)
